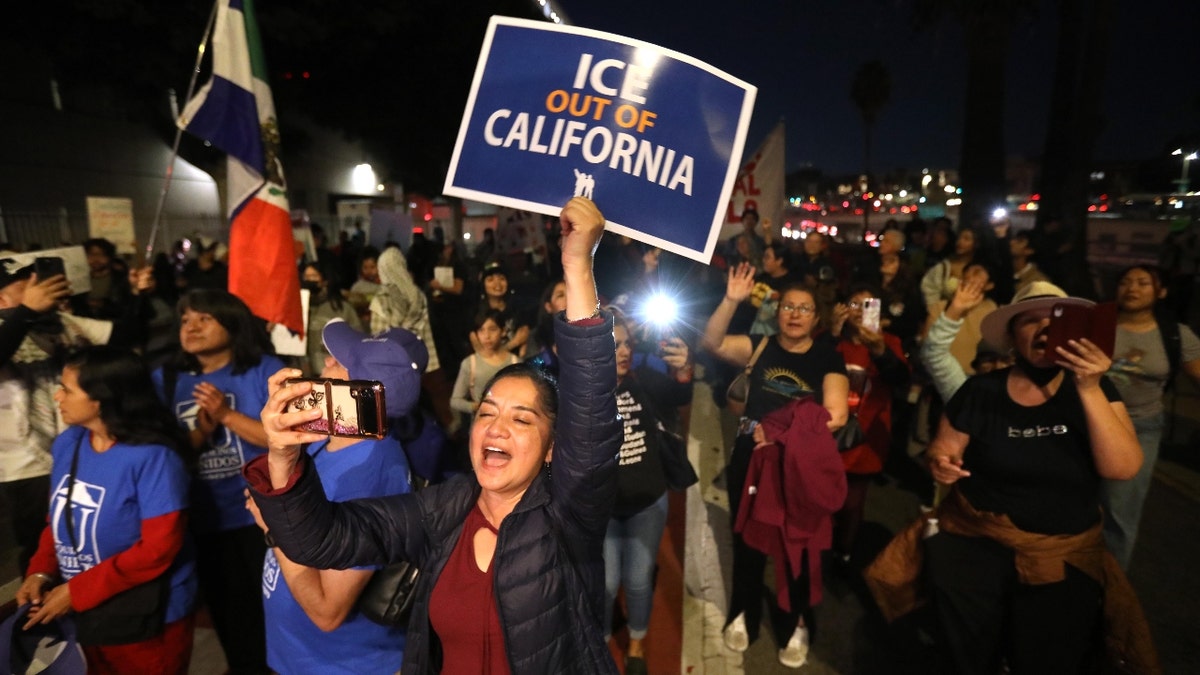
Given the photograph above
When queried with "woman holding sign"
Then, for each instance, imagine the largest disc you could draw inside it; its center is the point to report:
(512, 572)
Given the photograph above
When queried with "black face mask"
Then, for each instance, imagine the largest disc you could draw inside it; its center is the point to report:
(313, 287)
(1041, 376)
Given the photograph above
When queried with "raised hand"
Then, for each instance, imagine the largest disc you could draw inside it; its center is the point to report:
(740, 283)
(283, 440)
(582, 225)
(141, 280)
(675, 353)
(872, 340)
(841, 314)
(43, 295)
(967, 296)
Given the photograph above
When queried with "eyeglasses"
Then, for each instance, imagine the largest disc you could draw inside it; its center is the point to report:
(797, 309)
(859, 305)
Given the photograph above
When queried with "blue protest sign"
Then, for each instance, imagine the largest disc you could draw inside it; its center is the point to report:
(654, 137)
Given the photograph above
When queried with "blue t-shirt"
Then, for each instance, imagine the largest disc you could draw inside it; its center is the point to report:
(114, 492)
(218, 503)
(369, 468)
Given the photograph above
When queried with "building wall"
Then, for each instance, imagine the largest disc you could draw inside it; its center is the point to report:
(51, 161)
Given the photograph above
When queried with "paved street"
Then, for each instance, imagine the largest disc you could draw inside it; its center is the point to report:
(850, 637)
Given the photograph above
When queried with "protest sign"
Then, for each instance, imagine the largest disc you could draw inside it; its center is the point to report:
(111, 218)
(654, 137)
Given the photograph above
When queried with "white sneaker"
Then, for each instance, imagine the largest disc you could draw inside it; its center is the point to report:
(795, 654)
(736, 637)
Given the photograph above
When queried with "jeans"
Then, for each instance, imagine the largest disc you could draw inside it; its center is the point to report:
(1123, 499)
(630, 553)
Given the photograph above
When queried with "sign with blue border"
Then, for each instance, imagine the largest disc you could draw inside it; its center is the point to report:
(654, 137)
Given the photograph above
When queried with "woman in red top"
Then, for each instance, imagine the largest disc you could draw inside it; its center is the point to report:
(876, 367)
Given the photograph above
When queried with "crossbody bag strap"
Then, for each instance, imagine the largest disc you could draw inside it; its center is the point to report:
(762, 344)
(471, 380)
(71, 492)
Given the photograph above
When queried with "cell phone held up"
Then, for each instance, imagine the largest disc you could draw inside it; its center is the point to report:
(48, 266)
(350, 408)
(1097, 323)
(871, 309)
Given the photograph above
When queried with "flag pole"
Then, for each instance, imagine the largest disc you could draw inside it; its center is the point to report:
(166, 186)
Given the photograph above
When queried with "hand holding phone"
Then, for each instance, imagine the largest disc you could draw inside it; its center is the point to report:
(48, 266)
(351, 408)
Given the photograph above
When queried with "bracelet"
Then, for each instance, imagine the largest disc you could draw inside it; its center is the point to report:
(44, 577)
(268, 539)
(595, 315)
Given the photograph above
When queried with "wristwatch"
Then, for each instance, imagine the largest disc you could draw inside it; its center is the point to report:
(268, 539)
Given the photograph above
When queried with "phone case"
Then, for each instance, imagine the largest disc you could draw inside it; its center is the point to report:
(48, 266)
(1072, 322)
(871, 309)
(352, 408)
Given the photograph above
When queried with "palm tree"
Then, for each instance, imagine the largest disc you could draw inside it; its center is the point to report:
(870, 91)
(1084, 27)
(987, 25)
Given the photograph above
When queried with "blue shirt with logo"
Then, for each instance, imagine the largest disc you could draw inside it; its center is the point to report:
(369, 468)
(114, 491)
(218, 503)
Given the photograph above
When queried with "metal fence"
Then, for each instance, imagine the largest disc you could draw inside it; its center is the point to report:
(31, 230)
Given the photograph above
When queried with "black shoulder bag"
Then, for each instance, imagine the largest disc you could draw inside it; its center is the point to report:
(130, 616)
(387, 599)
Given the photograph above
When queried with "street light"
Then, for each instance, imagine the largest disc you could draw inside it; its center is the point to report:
(1183, 177)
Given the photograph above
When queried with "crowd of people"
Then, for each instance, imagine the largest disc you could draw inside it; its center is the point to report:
(153, 462)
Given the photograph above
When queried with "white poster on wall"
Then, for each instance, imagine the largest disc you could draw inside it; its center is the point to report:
(111, 218)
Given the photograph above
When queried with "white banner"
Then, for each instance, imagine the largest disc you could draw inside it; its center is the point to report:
(760, 186)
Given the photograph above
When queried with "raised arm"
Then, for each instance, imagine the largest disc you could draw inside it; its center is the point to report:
(588, 435)
(582, 226)
(1115, 448)
(945, 370)
(736, 349)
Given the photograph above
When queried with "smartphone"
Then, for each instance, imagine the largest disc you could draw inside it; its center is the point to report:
(351, 408)
(48, 266)
(1072, 322)
(871, 308)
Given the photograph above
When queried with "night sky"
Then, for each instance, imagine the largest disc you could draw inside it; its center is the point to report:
(802, 55)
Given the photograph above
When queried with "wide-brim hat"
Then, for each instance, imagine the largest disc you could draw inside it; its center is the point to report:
(1036, 296)
(395, 357)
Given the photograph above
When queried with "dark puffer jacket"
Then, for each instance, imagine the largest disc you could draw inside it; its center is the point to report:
(549, 556)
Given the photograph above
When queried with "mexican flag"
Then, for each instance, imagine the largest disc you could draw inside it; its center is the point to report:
(234, 112)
